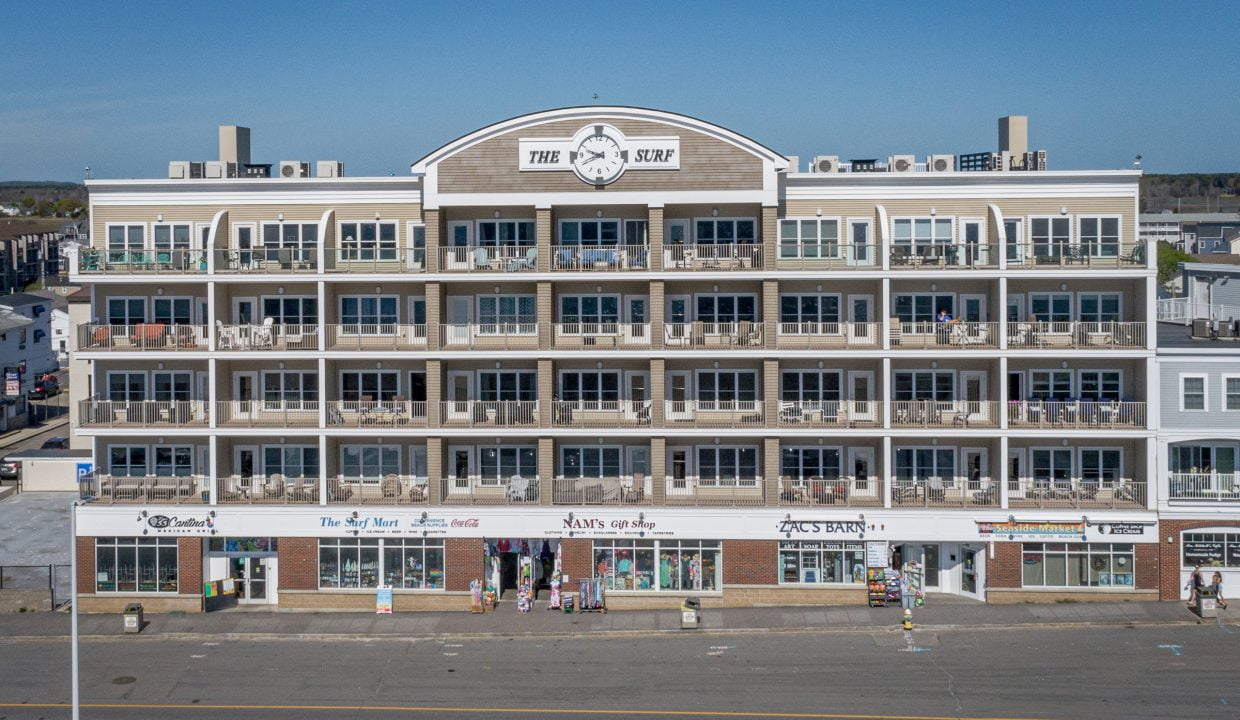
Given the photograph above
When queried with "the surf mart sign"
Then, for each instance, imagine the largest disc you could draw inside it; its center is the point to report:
(599, 154)
(1083, 530)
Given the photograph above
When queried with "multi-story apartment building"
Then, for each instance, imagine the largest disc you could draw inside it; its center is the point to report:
(628, 340)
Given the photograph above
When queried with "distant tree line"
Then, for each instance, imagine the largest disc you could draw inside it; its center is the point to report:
(1191, 192)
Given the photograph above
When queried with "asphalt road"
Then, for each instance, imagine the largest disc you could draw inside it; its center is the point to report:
(47, 408)
(1184, 671)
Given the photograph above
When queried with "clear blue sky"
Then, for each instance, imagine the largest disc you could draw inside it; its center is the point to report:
(126, 87)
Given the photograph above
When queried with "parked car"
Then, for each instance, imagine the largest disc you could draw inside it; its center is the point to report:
(9, 470)
(45, 387)
(56, 443)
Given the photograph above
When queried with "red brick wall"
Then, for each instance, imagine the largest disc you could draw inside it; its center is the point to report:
(1148, 565)
(299, 563)
(463, 562)
(1170, 554)
(750, 562)
(86, 564)
(577, 558)
(1004, 570)
(189, 566)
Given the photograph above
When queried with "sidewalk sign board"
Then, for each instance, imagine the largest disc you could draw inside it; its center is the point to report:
(383, 600)
(876, 554)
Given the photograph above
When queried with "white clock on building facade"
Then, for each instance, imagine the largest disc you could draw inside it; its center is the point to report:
(598, 155)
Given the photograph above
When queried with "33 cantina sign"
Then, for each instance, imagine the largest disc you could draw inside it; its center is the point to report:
(598, 154)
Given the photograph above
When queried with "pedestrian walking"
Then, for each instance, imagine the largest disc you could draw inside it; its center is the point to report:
(1196, 581)
(1216, 586)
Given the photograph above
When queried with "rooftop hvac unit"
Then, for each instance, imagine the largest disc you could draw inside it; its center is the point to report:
(216, 169)
(901, 163)
(941, 163)
(197, 170)
(329, 169)
(794, 163)
(825, 164)
(178, 170)
(294, 169)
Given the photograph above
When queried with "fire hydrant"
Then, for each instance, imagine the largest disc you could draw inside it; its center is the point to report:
(908, 620)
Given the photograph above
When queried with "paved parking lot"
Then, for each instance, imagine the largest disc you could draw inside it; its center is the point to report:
(34, 528)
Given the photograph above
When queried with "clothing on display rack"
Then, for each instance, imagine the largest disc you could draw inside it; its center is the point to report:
(554, 602)
(525, 584)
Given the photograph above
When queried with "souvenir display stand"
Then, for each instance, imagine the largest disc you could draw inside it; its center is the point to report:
(892, 594)
(555, 602)
(525, 583)
(876, 584)
(475, 596)
(591, 596)
(916, 576)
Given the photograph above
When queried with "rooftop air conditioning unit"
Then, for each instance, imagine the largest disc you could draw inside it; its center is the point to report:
(294, 169)
(941, 163)
(825, 164)
(197, 170)
(178, 170)
(217, 169)
(901, 163)
(329, 169)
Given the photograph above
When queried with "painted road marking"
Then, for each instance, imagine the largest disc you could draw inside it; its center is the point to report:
(909, 646)
(1175, 649)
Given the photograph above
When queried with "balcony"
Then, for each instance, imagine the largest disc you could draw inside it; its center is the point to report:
(739, 335)
(714, 413)
(1076, 414)
(1051, 255)
(926, 335)
(142, 262)
(490, 336)
(827, 336)
(159, 337)
(607, 258)
(1205, 487)
(393, 413)
(937, 492)
(1050, 493)
(383, 336)
(116, 489)
(268, 336)
(488, 259)
(739, 492)
(945, 414)
(488, 414)
(827, 256)
(734, 256)
(267, 414)
(840, 491)
(632, 490)
(1088, 335)
(374, 260)
(387, 490)
(275, 489)
(573, 336)
(490, 491)
(266, 261)
(830, 414)
(602, 414)
(96, 413)
(944, 257)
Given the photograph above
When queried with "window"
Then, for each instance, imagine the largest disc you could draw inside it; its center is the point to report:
(1098, 307)
(500, 463)
(635, 232)
(366, 385)
(652, 565)
(126, 386)
(127, 460)
(290, 386)
(726, 308)
(1077, 565)
(413, 563)
(1193, 393)
(1231, 392)
(417, 243)
(922, 307)
(296, 240)
(803, 463)
(370, 312)
(1204, 458)
(1212, 549)
(1101, 466)
(589, 309)
(810, 386)
(1050, 307)
(1099, 236)
(498, 313)
(1050, 236)
(1052, 468)
(590, 462)
(1050, 384)
(368, 241)
(727, 386)
(590, 232)
(725, 231)
(126, 238)
(126, 311)
(813, 310)
(130, 564)
(922, 235)
(1100, 385)
(507, 385)
(938, 385)
(172, 386)
(348, 563)
(506, 233)
(171, 236)
(821, 562)
(919, 466)
(243, 544)
(174, 461)
(172, 311)
(286, 310)
(369, 462)
(590, 385)
(291, 461)
(819, 238)
(727, 466)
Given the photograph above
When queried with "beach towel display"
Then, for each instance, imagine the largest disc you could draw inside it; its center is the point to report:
(555, 602)
(525, 584)
(475, 596)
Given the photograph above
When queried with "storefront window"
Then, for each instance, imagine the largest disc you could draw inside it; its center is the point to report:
(242, 544)
(136, 565)
(1212, 549)
(625, 564)
(413, 563)
(659, 565)
(1077, 565)
(821, 562)
(348, 563)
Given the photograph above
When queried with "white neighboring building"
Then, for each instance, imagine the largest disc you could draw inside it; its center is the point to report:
(60, 335)
(34, 341)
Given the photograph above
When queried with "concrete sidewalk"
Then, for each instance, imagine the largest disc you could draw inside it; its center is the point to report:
(11, 439)
(243, 624)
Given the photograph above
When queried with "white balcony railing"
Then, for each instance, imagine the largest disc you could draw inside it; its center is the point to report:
(515, 490)
(142, 413)
(155, 336)
(267, 413)
(114, 489)
(924, 335)
(847, 491)
(273, 489)
(602, 335)
(945, 414)
(1207, 486)
(738, 335)
(488, 258)
(268, 336)
(944, 492)
(706, 492)
(627, 490)
(1076, 335)
(736, 256)
(1076, 493)
(484, 413)
(1049, 254)
(376, 413)
(387, 490)
(830, 413)
(604, 414)
(827, 335)
(714, 413)
(490, 336)
(380, 336)
(1076, 414)
(826, 256)
(602, 258)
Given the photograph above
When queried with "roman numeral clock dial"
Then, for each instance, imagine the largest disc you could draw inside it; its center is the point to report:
(598, 157)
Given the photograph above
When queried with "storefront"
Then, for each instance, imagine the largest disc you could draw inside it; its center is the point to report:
(1217, 550)
(250, 562)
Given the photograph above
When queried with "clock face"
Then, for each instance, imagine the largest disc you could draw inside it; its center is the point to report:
(598, 158)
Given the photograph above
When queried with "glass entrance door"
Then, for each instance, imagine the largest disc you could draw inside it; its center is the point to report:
(250, 576)
(968, 571)
(930, 562)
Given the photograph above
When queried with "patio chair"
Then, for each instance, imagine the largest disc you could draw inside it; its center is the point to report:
(517, 489)
(389, 487)
(417, 492)
(482, 260)
(338, 491)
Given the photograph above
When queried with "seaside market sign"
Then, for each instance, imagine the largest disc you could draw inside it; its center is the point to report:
(598, 154)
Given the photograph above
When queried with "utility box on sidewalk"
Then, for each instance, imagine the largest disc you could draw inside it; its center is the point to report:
(133, 618)
(691, 614)
(1207, 604)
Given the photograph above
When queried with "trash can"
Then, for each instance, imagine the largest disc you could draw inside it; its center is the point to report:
(1207, 604)
(691, 613)
(133, 618)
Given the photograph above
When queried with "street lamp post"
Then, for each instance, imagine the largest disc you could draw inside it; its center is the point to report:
(73, 610)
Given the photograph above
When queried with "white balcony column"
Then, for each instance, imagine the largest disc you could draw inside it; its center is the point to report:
(1003, 470)
(1151, 312)
(882, 243)
(1153, 395)
(1153, 478)
(323, 385)
(210, 319)
(323, 311)
(213, 468)
(213, 392)
(884, 308)
(322, 469)
(885, 400)
(1002, 395)
(887, 474)
(1003, 314)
